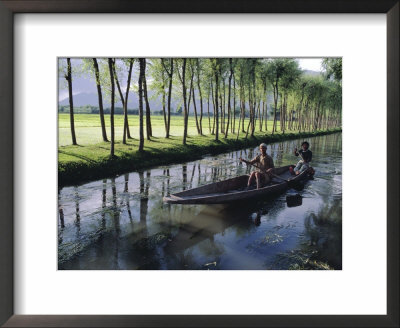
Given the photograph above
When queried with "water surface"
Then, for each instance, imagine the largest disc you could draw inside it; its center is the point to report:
(122, 222)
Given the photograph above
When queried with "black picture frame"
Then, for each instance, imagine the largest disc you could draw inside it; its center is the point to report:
(7, 10)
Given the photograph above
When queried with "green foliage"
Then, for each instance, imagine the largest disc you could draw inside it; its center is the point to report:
(333, 67)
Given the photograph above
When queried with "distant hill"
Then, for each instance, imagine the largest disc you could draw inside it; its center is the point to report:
(311, 73)
(91, 99)
(83, 99)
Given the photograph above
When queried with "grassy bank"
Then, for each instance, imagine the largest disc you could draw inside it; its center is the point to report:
(88, 128)
(78, 164)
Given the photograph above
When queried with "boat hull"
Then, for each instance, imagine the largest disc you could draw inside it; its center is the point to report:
(232, 190)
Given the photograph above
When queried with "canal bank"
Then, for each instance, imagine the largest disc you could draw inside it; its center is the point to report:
(79, 164)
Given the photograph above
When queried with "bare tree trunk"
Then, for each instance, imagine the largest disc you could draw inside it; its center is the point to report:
(124, 105)
(242, 101)
(185, 114)
(214, 108)
(191, 90)
(223, 109)
(208, 111)
(299, 114)
(128, 85)
(190, 98)
(265, 106)
(149, 132)
(68, 77)
(229, 97)
(163, 102)
(141, 132)
(200, 95)
(195, 113)
(221, 113)
(169, 96)
(215, 68)
(234, 104)
(100, 97)
(170, 75)
(110, 66)
(275, 106)
(283, 111)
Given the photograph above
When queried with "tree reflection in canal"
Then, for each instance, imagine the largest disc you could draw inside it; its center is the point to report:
(122, 223)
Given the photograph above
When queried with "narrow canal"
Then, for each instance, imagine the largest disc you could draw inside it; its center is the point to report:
(122, 223)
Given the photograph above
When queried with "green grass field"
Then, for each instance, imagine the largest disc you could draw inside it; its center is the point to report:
(88, 127)
(90, 159)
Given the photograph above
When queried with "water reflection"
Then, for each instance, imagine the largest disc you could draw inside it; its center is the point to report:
(122, 223)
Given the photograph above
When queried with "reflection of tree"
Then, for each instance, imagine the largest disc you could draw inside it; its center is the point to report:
(191, 178)
(214, 173)
(60, 211)
(324, 231)
(77, 221)
(126, 191)
(163, 185)
(184, 176)
(103, 225)
(279, 153)
(205, 224)
(144, 196)
(169, 178)
(116, 219)
(104, 205)
(62, 224)
(199, 174)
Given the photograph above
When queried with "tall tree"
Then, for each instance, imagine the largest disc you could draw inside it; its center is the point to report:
(192, 74)
(275, 70)
(140, 83)
(333, 67)
(68, 77)
(128, 85)
(229, 96)
(124, 99)
(234, 103)
(182, 78)
(100, 97)
(170, 71)
(215, 64)
(198, 71)
(289, 79)
(111, 69)
(149, 132)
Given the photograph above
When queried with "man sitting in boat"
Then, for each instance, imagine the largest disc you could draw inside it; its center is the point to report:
(265, 167)
(304, 162)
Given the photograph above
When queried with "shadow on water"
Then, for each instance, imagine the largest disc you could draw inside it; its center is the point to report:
(122, 223)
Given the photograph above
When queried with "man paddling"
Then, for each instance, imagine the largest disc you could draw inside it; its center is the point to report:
(306, 157)
(265, 167)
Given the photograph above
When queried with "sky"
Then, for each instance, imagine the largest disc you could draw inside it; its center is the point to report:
(312, 64)
(87, 85)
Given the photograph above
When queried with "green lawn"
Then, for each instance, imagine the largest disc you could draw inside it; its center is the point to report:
(88, 128)
(90, 159)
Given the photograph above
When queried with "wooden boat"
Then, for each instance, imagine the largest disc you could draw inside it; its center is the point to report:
(234, 189)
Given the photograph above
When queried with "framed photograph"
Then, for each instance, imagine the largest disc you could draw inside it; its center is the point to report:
(108, 223)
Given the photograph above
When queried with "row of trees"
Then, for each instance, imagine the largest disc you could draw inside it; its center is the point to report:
(224, 90)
